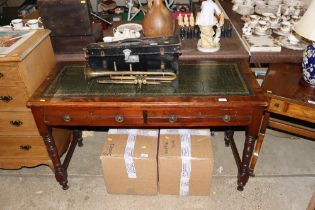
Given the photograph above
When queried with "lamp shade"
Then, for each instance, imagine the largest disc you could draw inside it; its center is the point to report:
(306, 25)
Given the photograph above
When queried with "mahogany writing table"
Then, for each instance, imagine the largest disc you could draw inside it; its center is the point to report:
(205, 94)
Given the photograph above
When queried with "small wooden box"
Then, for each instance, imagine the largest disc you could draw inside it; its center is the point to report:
(66, 17)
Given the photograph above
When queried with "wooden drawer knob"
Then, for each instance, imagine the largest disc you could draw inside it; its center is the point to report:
(1, 75)
(6, 99)
(67, 118)
(226, 118)
(16, 123)
(172, 119)
(119, 118)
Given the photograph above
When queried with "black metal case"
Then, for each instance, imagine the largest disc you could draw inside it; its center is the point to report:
(144, 54)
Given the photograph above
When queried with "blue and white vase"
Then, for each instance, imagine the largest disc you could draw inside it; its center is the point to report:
(308, 64)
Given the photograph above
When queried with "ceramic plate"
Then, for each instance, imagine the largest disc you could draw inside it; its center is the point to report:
(284, 42)
(130, 26)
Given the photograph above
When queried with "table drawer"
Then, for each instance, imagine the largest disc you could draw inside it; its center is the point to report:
(9, 74)
(93, 116)
(199, 117)
(293, 110)
(13, 97)
(276, 105)
(17, 123)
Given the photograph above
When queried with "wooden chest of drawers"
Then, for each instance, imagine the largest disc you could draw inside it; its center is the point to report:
(21, 72)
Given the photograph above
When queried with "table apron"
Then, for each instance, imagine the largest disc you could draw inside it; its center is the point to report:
(146, 117)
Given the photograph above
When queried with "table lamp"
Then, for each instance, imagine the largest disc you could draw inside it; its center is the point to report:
(306, 28)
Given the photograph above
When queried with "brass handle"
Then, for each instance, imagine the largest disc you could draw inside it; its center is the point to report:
(277, 105)
(16, 123)
(119, 118)
(172, 119)
(226, 118)
(66, 118)
(1, 75)
(25, 147)
(6, 99)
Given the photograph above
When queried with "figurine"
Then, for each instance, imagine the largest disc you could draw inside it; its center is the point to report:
(209, 16)
(186, 22)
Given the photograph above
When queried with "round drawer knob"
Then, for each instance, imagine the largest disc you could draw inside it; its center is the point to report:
(119, 118)
(66, 118)
(1, 75)
(172, 119)
(226, 118)
(277, 105)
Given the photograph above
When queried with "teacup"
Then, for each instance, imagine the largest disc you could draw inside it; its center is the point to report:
(273, 19)
(285, 17)
(285, 27)
(262, 26)
(235, 7)
(33, 23)
(295, 19)
(266, 16)
(16, 24)
(253, 20)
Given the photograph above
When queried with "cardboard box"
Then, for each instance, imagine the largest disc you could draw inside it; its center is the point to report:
(185, 162)
(129, 161)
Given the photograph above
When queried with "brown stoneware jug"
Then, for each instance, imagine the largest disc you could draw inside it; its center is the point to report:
(158, 21)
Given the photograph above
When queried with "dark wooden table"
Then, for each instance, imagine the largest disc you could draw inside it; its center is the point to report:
(231, 48)
(291, 105)
(205, 94)
(285, 56)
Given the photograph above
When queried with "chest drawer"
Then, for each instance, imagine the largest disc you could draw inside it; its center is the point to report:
(13, 97)
(9, 74)
(29, 151)
(93, 117)
(200, 117)
(17, 123)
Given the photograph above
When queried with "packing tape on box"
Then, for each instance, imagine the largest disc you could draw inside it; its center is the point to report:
(128, 156)
(202, 132)
(140, 132)
(185, 144)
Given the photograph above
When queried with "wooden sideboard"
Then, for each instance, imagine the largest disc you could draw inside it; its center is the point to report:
(21, 72)
(291, 105)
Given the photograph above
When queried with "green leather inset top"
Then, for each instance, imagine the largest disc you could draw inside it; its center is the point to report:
(201, 79)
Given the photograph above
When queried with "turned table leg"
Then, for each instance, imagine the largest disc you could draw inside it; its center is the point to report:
(228, 135)
(78, 136)
(60, 172)
(259, 142)
(251, 135)
(243, 174)
(46, 132)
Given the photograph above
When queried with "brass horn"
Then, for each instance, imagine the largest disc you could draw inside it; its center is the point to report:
(129, 77)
